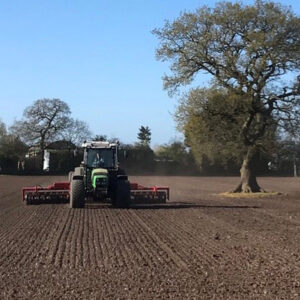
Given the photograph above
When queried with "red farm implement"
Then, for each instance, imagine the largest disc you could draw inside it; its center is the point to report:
(60, 192)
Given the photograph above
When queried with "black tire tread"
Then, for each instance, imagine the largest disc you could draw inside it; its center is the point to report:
(77, 194)
(122, 194)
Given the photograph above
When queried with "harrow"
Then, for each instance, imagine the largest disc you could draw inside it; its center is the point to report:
(60, 192)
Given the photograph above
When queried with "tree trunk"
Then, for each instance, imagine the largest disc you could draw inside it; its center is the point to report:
(248, 183)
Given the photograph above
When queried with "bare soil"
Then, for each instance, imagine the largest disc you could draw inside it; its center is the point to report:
(200, 245)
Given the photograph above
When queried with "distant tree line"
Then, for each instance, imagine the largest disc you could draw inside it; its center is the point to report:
(48, 126)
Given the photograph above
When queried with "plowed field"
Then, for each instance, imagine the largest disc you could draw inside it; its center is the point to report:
(198, 246)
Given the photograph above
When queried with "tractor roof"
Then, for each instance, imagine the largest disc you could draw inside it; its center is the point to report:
(99, 144)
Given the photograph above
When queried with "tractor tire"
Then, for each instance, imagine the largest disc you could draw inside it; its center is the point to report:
(77, 194)
(122, 198)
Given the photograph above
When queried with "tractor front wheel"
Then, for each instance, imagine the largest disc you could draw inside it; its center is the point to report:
(76, 193)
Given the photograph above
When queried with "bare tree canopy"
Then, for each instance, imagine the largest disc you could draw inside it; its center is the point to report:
(251, 51)
(42, 122)
(76, 132)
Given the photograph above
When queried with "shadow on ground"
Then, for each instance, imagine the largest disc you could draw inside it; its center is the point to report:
(181, 205)
(174, 205)
(164, 206)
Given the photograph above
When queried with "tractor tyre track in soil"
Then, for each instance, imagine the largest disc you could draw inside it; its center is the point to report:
(198, 246)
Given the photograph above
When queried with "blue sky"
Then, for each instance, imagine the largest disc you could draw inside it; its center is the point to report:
(98, 56)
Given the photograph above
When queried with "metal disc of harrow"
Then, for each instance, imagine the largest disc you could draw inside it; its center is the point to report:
(146, 196)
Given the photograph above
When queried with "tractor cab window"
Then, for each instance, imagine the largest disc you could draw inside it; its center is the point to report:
(101, 158)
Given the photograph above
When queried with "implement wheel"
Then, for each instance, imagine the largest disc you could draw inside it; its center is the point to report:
(122, 199)
(27, 201)
(77, 193)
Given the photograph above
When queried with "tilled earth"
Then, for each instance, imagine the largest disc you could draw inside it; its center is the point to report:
(198, 246)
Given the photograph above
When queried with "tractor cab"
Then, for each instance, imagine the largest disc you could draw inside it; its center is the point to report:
(100, 169)
(100, 155)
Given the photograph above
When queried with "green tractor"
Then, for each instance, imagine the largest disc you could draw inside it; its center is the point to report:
(99, 177)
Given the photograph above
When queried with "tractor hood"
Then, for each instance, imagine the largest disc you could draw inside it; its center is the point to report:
(99, 177)
(99, 171)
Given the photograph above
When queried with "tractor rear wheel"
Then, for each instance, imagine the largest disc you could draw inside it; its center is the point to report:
(76, 193)
(122, 198)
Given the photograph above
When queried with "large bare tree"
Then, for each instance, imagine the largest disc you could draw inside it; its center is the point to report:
(251, 51)
(42, 122)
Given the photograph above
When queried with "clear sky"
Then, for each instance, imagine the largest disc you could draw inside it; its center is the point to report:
(96, 55)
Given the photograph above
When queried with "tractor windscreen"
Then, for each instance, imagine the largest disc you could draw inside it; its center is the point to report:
(101, 158)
